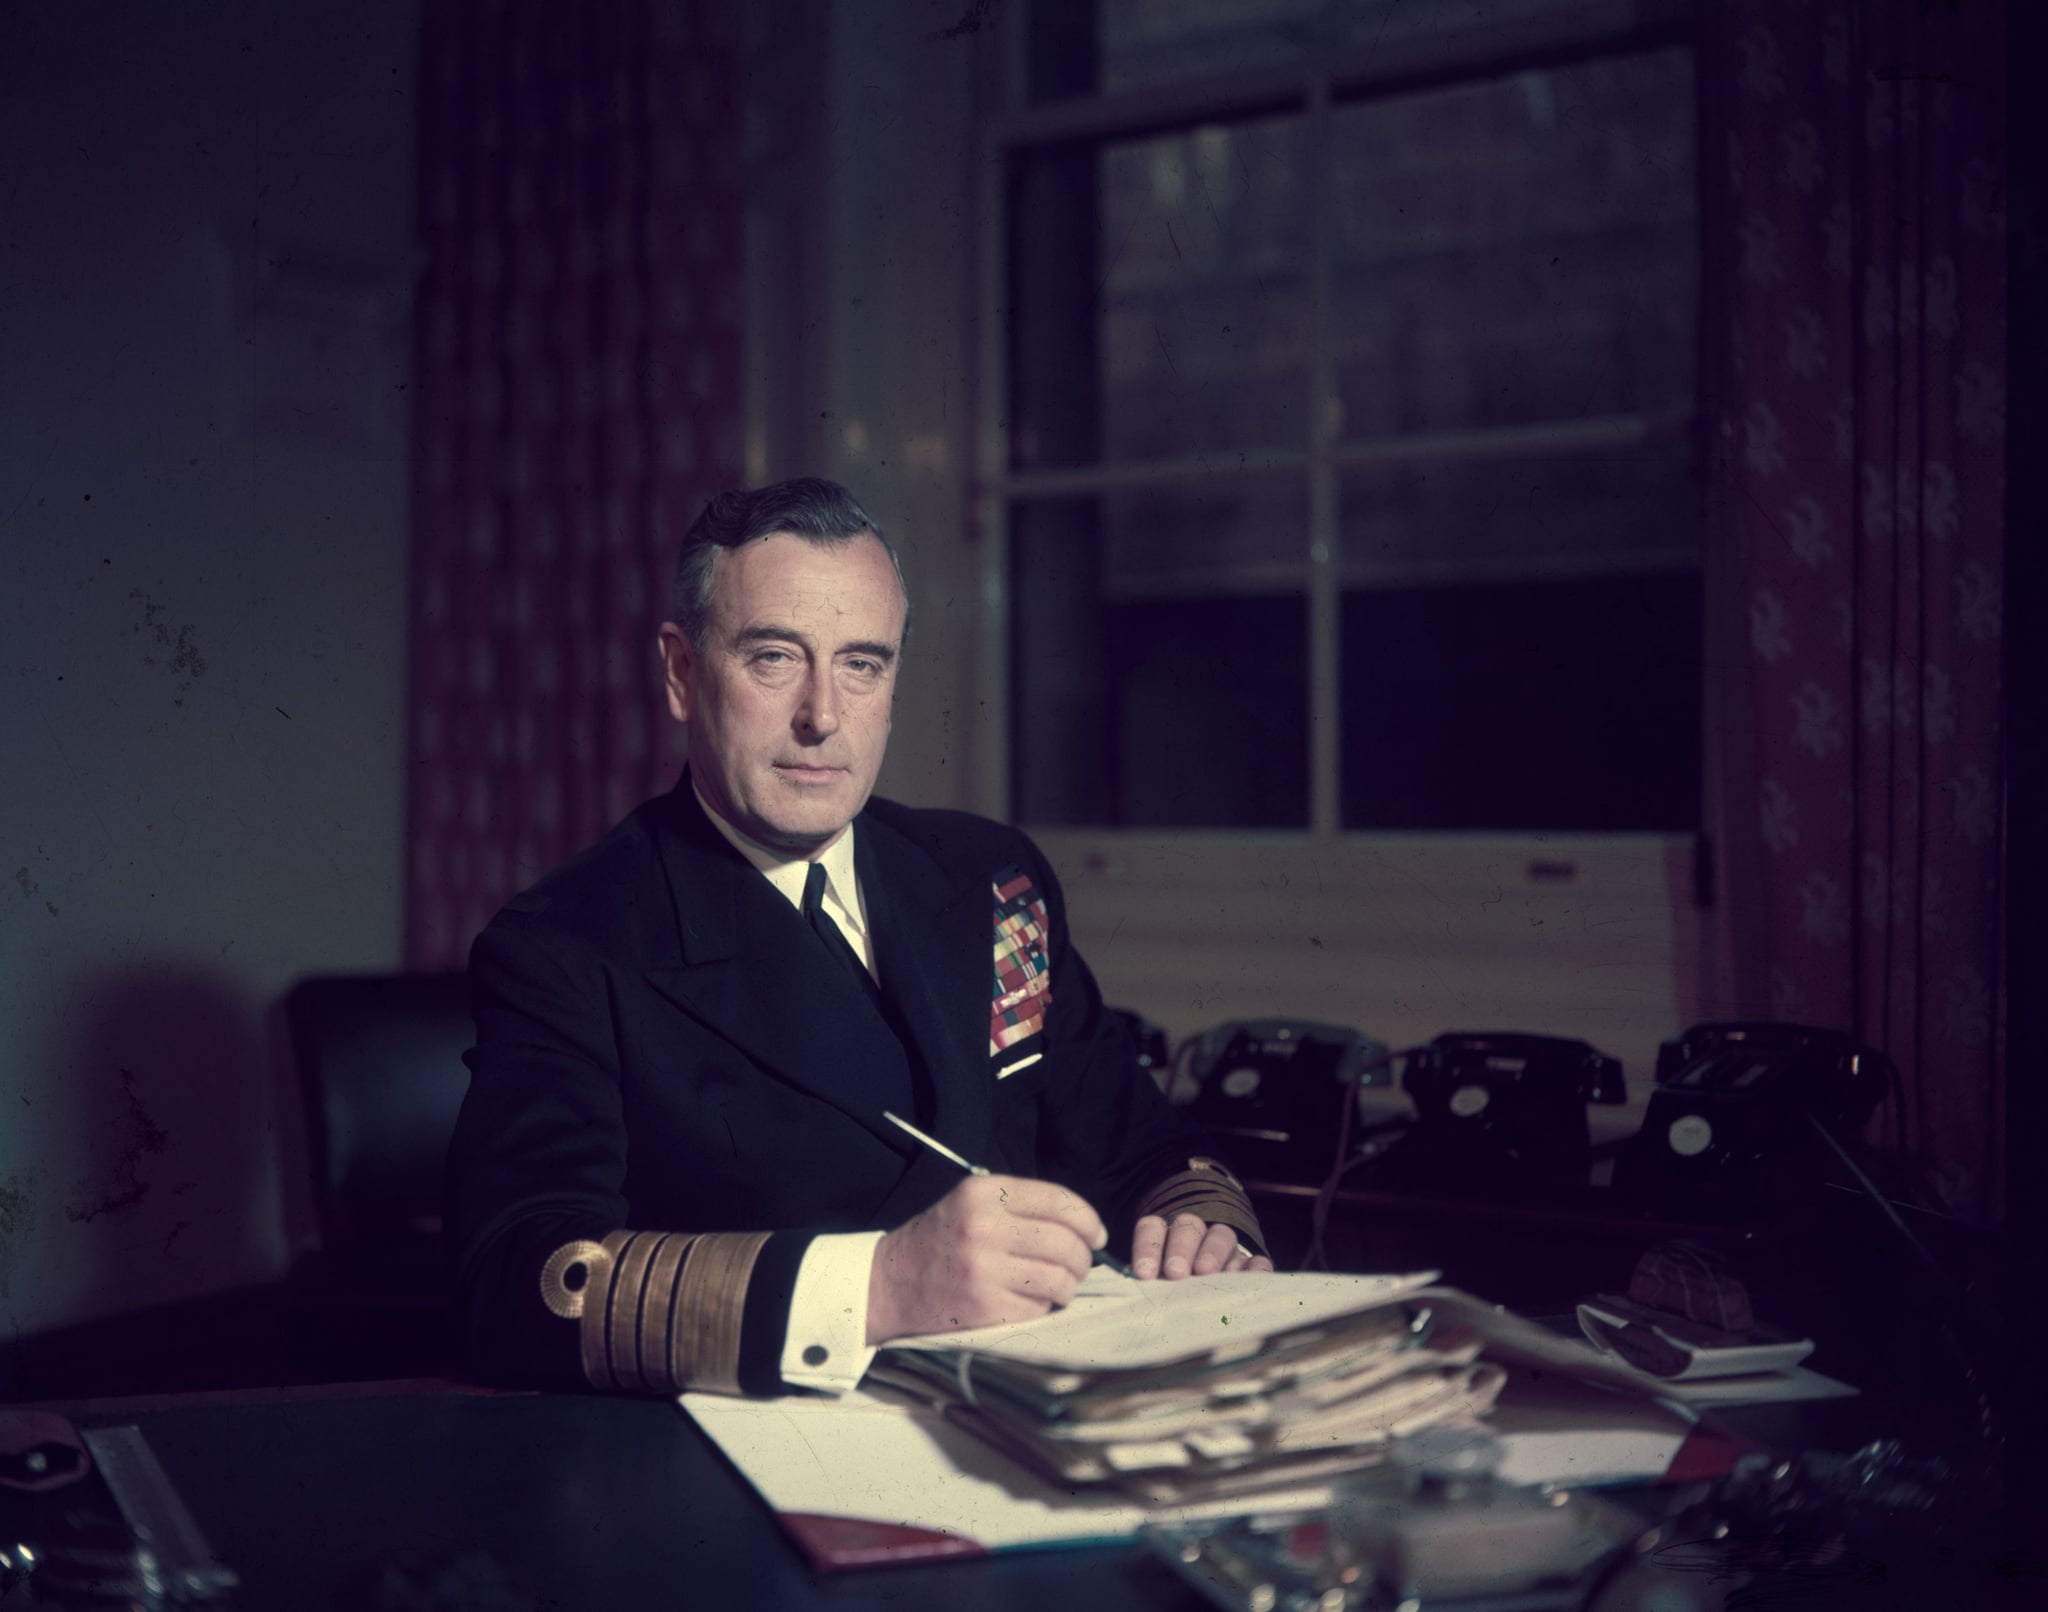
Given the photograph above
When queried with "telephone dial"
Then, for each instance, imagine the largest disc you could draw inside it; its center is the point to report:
(1501, 1109)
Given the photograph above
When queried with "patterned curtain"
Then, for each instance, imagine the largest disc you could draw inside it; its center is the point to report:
(1854, 181)
(577, 399)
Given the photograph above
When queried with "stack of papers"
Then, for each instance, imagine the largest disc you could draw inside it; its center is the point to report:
(1173, 1401)
(1190, 1392)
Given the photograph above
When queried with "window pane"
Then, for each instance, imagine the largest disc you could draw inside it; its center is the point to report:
(1159, 671)
(1158, 290)
(1569, 705)
(1530, 515)
(1202, 265)
(1518, 250)
(1226, 537)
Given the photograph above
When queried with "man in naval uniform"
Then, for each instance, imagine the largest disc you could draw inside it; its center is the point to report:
(674, 1168)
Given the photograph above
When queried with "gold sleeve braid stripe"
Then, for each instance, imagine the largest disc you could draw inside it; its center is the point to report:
(596, 1318)
(622, 1325)
(657, 1309)
(658, 1312)
(712, 1297)
(1207, 1189)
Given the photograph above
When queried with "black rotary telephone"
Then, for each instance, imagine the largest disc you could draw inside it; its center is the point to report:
(1272, 1091)
(1742, 1114)
(1501, 1110)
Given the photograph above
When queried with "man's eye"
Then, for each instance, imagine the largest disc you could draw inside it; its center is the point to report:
(770, 657)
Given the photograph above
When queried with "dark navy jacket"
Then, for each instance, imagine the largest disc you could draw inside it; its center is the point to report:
(662, 1044)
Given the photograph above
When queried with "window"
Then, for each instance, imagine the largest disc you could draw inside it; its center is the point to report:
(1346, 366)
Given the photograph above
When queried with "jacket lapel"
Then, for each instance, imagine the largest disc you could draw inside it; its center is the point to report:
(746, 966)
(931, 935)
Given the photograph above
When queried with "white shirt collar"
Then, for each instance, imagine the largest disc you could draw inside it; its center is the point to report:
(787, 873)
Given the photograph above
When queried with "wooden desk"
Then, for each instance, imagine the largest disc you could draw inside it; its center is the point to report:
(357, 1502)
(368, 1497)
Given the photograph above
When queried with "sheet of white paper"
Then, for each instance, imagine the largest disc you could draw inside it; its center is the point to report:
(1588, 1458)
(862, 1457)
(859, 1457)
(1777, 1387)
(1553, 1430)
(1118, 1323)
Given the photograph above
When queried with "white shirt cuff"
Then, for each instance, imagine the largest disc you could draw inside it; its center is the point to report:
(826, 1347)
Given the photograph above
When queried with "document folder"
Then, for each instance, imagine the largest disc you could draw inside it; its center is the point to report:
(879, 1476)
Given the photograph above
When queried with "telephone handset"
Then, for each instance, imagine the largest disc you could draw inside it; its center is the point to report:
(1830, 1074)
(1732, 1118)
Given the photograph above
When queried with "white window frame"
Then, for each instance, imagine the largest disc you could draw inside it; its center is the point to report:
(1407, 934)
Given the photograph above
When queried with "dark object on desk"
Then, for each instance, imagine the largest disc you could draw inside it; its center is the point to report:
(1683, 1297)
(1437, 1524)
(1689, 1289)
(1877, 1528)
(1273, 1091)
(1501, 1112)
(1730, 1126)
(39, 1450)
(102, 1530)
(1694, 1282)
(1432, 1527)
(1874, 1529)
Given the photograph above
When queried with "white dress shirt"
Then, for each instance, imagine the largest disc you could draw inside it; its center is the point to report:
(826, 1347)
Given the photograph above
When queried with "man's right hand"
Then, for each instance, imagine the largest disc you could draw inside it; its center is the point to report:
(995, 1248)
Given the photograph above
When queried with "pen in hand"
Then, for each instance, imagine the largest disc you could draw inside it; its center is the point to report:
(1101, 1256)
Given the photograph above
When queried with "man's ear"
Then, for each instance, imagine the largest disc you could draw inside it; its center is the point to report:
(679, 669)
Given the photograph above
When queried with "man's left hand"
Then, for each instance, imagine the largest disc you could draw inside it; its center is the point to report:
(1191, 1246)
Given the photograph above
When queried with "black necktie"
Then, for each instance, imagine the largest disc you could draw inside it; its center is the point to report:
(834, 941)
(826, 930)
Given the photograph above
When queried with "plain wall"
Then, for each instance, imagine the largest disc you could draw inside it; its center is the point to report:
(860, 159)
(205, 271)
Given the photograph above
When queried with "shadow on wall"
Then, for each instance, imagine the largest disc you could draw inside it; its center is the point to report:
(163, 1167)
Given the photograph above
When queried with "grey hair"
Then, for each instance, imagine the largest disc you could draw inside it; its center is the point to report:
(818, 511)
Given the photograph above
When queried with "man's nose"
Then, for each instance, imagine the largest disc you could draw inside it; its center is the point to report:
(818, 711)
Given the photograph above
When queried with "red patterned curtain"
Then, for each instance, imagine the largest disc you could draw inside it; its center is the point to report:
(1854, 164)
(577, 399)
